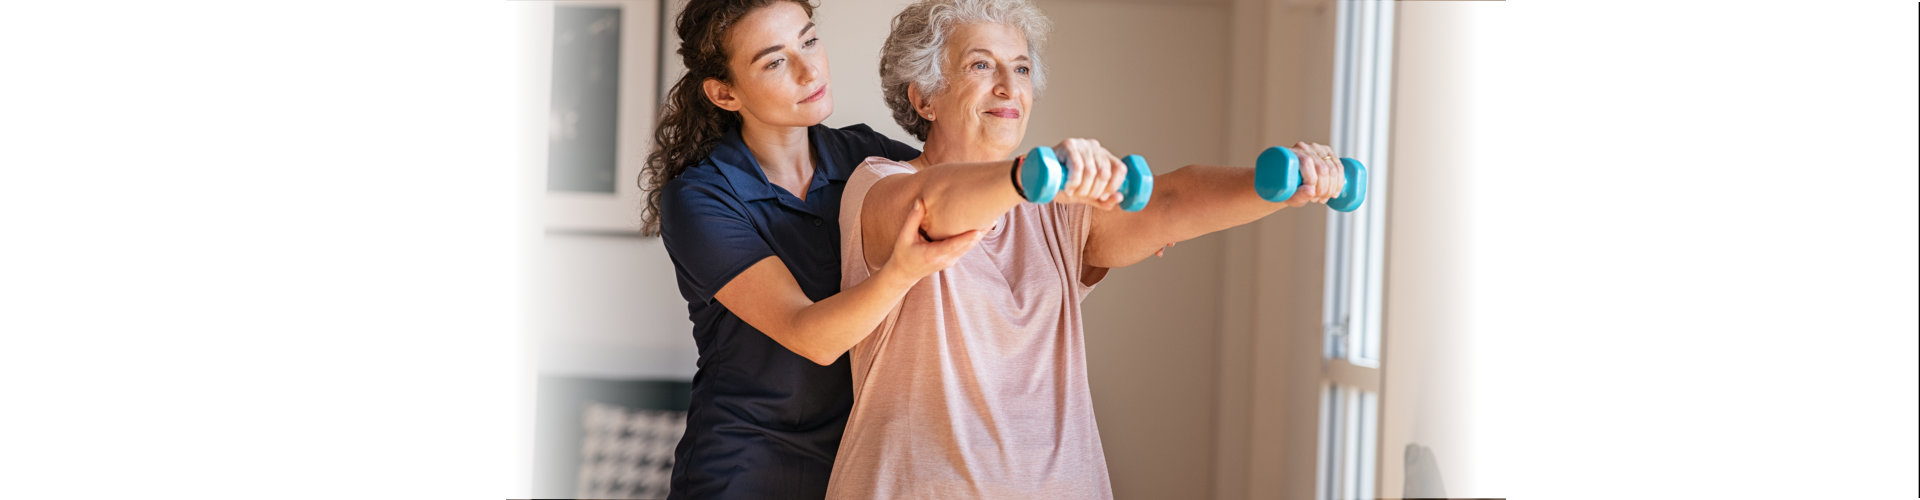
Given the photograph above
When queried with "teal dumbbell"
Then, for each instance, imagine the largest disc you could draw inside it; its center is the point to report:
(1276, 176)
(1042, 174)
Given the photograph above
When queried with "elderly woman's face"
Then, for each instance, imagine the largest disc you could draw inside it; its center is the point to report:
(989, 90)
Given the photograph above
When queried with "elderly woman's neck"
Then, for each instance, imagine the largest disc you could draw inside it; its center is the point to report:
(938, 151)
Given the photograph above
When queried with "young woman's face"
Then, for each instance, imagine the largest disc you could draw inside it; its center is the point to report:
(989, 94)
(779, 69)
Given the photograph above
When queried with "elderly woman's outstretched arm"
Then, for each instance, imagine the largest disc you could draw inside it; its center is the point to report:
(961, 197)
(1200, 199)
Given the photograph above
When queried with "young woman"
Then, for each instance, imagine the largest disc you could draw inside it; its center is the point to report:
(745, 191)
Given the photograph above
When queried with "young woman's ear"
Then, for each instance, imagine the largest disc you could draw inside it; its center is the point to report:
(721, 94)
(920, 104)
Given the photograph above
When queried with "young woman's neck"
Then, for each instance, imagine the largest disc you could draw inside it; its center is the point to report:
(784, 154)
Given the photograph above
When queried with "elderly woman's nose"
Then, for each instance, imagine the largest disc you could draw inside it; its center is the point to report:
(1003, 83)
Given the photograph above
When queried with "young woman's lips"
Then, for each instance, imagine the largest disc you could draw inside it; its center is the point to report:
(817, 94)
(1004, 112)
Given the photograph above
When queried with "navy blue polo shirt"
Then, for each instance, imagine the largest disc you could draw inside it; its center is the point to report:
(763, 422)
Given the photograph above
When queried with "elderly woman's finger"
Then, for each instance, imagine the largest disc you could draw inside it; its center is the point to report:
(1118, 176)
(1334, 178)
(1324, 156)
(1311, 162)
(1327, 182)
(1082, 173)
(1337, 174)
(1096, 169)
(1102, 172)
(1309, 175)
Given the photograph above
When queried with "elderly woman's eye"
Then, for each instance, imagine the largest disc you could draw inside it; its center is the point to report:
(1023, 70)
(980, 65)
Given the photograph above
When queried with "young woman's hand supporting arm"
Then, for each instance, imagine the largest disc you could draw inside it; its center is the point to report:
(767, 296)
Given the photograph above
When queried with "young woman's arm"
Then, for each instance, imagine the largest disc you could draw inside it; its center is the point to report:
(767, 296)
(1198, 199)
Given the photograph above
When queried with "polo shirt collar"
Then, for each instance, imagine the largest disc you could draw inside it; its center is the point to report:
(831, 153)
(736, 163)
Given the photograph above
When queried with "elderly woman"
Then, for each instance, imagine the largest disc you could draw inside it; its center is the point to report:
(976, 386)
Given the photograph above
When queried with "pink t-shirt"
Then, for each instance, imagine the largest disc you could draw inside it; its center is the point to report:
(976, 385)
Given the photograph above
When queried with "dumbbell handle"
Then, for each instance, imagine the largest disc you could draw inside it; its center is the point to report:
(1043, 174)
(1277, 176)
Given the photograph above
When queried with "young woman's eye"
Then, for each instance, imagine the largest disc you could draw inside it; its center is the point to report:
(811, 41)
(775, 64)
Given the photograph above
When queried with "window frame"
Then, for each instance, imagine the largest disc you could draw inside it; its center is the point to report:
(1350, 385)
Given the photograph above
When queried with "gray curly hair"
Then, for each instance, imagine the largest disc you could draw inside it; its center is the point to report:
(916, 48)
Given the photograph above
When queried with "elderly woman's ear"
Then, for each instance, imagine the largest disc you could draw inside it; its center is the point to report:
(921, 106)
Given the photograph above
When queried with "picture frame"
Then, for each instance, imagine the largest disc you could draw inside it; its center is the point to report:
(596, 66)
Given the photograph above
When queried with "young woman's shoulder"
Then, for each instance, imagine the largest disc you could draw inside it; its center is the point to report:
(858, 131)
(699, 186)
(861, 141)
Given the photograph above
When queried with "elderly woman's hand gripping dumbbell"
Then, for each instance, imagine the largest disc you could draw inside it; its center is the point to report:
(1090, 175)
(1279, 177)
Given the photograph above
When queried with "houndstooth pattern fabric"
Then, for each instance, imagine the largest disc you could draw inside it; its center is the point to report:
(627, 453)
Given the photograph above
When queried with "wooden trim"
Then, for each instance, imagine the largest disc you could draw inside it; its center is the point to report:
(1342, 372)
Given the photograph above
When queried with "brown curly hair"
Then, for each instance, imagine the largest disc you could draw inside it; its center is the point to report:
(690, 125)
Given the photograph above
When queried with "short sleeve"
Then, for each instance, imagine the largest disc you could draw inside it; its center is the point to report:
(854, 267)
(709, 236)
(1074, 223)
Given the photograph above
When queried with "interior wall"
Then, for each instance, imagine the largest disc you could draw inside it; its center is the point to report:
(1270, 350)
(1152, 328)
(853, 31)
(1425, 258)
(608, 307)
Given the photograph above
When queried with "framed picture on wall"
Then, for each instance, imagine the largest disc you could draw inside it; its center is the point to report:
(602, 91)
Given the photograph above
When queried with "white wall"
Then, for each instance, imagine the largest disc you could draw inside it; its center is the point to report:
(1682, 267)
(853, 31)
(609, 307)
(1427, 261)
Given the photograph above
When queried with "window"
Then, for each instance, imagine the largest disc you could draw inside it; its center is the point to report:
(1350, 403)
